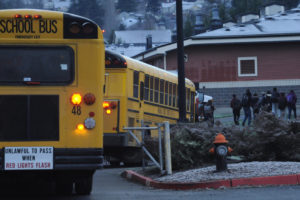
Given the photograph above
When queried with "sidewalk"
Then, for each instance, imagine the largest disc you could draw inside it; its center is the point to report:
(289, 179)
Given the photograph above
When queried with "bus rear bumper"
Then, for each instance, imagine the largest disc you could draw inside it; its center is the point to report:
(72, 159)
(78, 159)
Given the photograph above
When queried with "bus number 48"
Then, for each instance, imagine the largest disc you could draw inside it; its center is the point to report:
(76, 110)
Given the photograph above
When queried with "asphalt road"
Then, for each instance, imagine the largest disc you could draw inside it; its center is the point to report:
(109, 185)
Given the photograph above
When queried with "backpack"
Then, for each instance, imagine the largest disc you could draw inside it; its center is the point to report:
(245, 100)
(281, 103)
(237, 104)
(289, 98)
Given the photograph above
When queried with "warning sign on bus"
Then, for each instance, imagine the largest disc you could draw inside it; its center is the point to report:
(28, 158)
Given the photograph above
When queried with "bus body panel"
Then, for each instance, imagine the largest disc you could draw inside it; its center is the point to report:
(74, 149)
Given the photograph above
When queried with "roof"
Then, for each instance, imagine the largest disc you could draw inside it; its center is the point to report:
(284, 23)
(281, 27)
(139, 36)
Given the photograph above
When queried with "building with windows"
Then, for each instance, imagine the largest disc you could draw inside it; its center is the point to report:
(258, 54)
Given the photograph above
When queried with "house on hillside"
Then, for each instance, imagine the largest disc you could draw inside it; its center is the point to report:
(258, 54)
(132, 42)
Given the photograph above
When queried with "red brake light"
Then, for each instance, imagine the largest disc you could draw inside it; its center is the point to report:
(76, 99)
(89, 98)
(113, 105)
(91, 114)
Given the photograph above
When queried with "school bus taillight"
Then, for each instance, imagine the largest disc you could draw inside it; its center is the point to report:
(108, 111)
(80, 127)
(105, 105)
(76, 99)
(89, 99)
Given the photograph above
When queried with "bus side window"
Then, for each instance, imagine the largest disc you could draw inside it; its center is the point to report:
(188, 91)
(146, 95)
(166, 93)
(174, 95)
(141, 90)
(151, 88)
(135, 84)
(156, 83)
(162, 84)
(170, 94)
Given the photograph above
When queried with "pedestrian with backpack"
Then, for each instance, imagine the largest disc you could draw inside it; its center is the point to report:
(291, 103)
(255, 105)
(282, 103)
(274, 101)
(236, 106)
(246, 103)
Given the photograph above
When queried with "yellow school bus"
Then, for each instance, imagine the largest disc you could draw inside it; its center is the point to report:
(51, 92)
(137, 93)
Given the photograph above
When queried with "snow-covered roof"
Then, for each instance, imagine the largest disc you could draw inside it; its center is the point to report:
(139, 36)
(185, 5)
(281, 27)
(284, 23)
(126, 51)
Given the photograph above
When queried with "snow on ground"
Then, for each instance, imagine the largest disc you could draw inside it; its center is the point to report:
(238, 170)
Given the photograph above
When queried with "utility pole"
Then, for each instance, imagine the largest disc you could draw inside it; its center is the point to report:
(180, 63)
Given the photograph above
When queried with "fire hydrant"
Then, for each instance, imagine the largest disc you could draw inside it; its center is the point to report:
(221, 149)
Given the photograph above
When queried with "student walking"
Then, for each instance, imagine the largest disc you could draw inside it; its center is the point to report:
(274, 101)
(236, 106)
(255, 105)
(291, 103)
(246, 103)
(282, 103)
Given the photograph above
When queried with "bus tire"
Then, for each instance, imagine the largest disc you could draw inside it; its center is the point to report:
(64, 187)
(132, 156)
(84, 185)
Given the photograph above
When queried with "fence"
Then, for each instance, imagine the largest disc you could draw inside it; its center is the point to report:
(163, 128)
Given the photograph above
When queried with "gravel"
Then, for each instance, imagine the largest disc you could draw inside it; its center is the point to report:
(238, 170)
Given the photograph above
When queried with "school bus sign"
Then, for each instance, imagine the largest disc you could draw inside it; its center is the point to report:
(31, 26)
(28, 158)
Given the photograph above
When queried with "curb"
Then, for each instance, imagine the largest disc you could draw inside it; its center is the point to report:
(293, 179)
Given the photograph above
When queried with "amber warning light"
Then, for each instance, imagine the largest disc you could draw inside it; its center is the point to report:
(76, 99)
(80, 127)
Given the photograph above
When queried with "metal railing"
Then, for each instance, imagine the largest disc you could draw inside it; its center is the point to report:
(163, 128)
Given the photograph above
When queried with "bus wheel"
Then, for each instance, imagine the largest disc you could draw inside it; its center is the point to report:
(64, 187)
(83, 186)
(132, 156)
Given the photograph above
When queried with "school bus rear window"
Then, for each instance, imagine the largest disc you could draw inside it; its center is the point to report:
(41, 65)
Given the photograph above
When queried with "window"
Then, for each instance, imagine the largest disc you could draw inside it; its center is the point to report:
(170, 94)
(174, 95)
(151, 88)
(247, 66)
(166, 93)
(161, 91)
(156, 83)
(46, 65)
(146, 97)
(136, 84)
